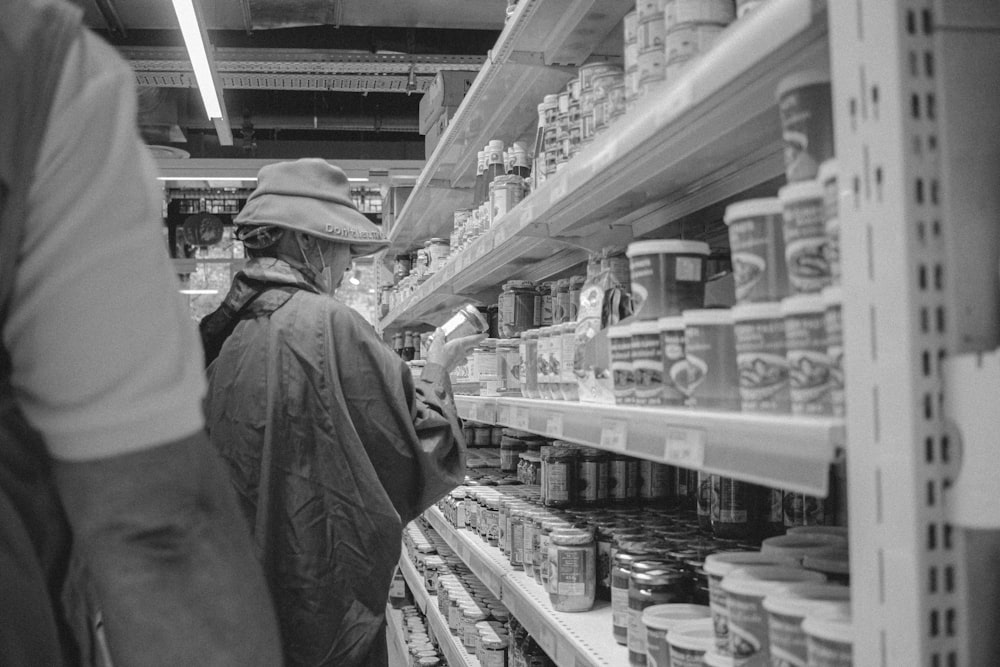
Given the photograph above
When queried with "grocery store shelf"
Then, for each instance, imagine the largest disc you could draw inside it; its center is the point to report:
(486, 562)
(784, 451)
(453, 650)
(571, 640)
(704, 139)
(398, 653)
(536, 54)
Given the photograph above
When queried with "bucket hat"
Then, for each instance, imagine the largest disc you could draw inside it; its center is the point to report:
(311, 196)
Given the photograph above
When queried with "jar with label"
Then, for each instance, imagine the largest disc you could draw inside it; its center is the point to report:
(620, 343)
(575, 285)
(516, 536)
(572, 559)
(544, 354)
(492, 521)
(731, 504)
(528, 369)
(544, 542)
(623, 480)
(437, 253)
(494, 651)
(560, 476)
(659, 585)
(647, 362)
(471, 614)
(560, 307)
(528, 534)
(401, 267)
(655, 481)
(510, 449)
(516, 308)
(568, 387)
(704, 507)
(509, 367)
(592, 477)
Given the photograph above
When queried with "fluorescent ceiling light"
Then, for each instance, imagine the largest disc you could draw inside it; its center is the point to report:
(228, 179)
(191, 31)
(199, 291)
(361, 179)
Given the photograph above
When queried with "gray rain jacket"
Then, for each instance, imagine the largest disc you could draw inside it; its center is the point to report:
(332, 447)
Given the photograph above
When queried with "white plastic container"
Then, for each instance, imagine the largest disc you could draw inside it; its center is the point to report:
(804, 232)
(668, 277)
(806, 111)
(756, 238)
(712, 377)
(798, 546)
(809, 364)
(660, 620)
(689, 642)
(829, 637)
(761, 355)
(787, 610)
(717, 566)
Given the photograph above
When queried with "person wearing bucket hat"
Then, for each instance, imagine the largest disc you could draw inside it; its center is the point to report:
(331, 444)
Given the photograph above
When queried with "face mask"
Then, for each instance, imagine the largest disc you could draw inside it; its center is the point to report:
(324, 276)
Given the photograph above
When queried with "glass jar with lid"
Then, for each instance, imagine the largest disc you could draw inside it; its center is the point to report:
(627, 555)
(572, 575)
(575, 285)
(546, 304)
(516, 308)
(437, 253)
(560, 470)
(568, 388)
(648, 587)
(529, 363)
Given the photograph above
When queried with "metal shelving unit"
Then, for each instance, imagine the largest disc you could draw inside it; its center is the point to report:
(569, 639)
(792, 453)
(692, 144)
(452, 649)
(914, 82)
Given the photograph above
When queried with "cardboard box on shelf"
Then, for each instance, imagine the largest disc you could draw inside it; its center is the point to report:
(444, 95)
(434, 134)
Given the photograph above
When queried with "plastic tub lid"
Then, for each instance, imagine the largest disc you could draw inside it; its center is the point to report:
(832, 623)
(828, 169)
(696, 635)
(713, 659)
(620, 331)
(808, 77)
(835, 560)
(770, 310)
(762, 580)
(800, 191)
(667, 246)
(799, 546)
(700, 316)
(803, 304)
(801, 599)
(751, 208)
(818, 530)
(833, 296)
(721, 564)
(671, 323)
(668, 616)
(645, 327)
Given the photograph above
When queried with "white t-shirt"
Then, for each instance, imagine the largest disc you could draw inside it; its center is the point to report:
(105, 357)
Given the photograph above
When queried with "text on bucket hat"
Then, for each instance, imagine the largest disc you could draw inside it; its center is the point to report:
(311, 196)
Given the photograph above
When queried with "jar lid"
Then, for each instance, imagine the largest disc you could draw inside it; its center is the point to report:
(577, 281)
(713, 659)
(671, 323)
(620, 331)
(752, 208)
(840, 531)
(799, 546)
(800, 191)
(667, 616)
(518, 284)
(828, 170)
(835, 560)
(645, 328)
(661, 576)
(707, 316)
(757, 311)
(572, 536)
(803, 304)
(809, 77)
(721, 564)
(669, 246)
(833, 295)
(762, 580)
(832, 623)
(800, 599)
(697, 635)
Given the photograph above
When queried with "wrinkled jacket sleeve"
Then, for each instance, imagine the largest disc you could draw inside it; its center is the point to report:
(409, 426)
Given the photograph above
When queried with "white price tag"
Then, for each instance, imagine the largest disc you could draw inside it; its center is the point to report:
(554, 425)
(473, 412)
(488, 413)
(503, 415)
(685, 447)
(521, 418)
(614, 434)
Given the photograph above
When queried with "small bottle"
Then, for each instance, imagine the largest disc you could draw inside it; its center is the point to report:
(479, 190)
(397, 344)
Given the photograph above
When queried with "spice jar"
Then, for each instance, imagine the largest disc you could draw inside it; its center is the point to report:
(662, 585)
(516, 308)
(492, 517)
(572, 561)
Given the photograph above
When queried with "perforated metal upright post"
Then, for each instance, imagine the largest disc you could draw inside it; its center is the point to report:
(904, 556)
